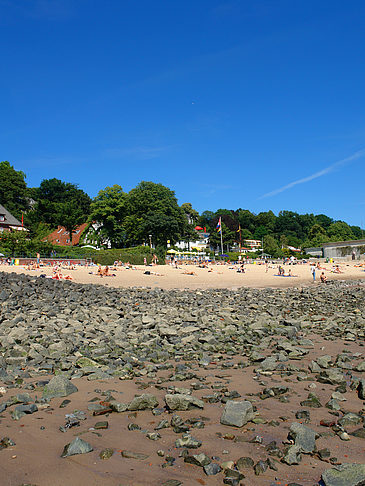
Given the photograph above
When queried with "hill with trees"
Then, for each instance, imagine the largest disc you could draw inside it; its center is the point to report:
(150, 213)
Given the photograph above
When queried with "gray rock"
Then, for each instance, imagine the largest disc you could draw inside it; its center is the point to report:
(237, 414)
(198, 459)
(303, 437)
(212, 469)
(188, 442)
(134, 455)
(350, 419)
(77, 446)
(59, 386)
(143, 402)
(345, 475)
(182, 402)
(244, 463)
(292, 455)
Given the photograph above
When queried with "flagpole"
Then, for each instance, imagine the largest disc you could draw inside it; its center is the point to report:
(221, 237)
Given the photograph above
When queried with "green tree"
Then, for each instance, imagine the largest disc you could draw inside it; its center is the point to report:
(13, 190)
(340, 231)
(229, 237)
(156, 205)
(109, 211)
(271, 246)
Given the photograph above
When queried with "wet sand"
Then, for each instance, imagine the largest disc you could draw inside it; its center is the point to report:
(36, 457)
(219, 276)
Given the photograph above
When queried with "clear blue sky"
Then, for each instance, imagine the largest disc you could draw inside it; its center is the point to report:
(222, 101)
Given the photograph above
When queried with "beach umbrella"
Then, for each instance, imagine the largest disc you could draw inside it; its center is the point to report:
(171, 251)
(198, 228)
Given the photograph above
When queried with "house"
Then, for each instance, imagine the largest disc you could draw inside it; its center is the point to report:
(8, 222)
(61, 236)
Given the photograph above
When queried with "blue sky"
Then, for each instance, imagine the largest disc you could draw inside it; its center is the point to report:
(251, 104)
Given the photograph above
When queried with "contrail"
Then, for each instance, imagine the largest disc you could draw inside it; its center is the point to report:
(320, 173)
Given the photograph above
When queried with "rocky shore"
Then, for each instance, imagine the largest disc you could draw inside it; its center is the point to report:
(154, 387)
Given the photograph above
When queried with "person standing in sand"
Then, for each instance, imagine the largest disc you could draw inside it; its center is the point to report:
(313, 270)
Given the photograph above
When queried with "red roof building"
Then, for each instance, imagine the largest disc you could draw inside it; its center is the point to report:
(62, 237)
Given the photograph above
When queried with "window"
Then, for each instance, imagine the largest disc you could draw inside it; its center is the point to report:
(2, 217)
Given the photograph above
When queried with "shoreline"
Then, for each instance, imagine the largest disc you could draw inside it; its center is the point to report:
(215, 277)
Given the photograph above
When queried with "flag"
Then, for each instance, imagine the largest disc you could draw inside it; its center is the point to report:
(219, 225)
(22, 220)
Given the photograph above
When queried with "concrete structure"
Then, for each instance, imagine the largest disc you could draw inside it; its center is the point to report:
(346, 250)
(8, 222)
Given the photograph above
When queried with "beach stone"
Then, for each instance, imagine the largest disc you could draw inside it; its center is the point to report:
(134, 455)
(312, 401)
(212, 469)
(5, 442)
(345, 475)
(32, 408)
(332, 376)
(181, 402)
(350, 419)
(106, 453)
(118, 406)
(244, 463)
(361, 389)
(333, 404)
(198, 459)
(77, 446)
(237, 414)
(143, 402)
(292, 455)
(59, 386)
(172, 482)
(188, 442)
(360, 433)
(303, 436)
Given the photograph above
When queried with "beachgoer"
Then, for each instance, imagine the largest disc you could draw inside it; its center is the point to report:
(323, 278)
(313, 270)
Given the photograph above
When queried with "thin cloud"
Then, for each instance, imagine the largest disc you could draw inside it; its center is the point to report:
(320, 173)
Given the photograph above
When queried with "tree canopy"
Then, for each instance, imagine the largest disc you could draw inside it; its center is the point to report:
(13, 189)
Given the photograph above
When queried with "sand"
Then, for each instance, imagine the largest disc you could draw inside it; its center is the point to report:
(219, 276)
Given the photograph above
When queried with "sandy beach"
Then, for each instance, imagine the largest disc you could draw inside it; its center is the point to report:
(215, 276)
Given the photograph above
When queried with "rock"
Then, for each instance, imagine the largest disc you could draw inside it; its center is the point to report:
(312, 401)
(350, 419)
(59, 386)
(172, 482)
(292, 455)
(361, 389)
(181, 402)
(143, 402)
(77, 446)
(244, 463)
(198, 460)
(212, 469)
(303, 436)
(5, 442)
(237, 414)
(360, 433)
(260, 468)
(106, 453)
(345, 475)
(118, 407)
(333, 376)
(134, 455)
(188, 442)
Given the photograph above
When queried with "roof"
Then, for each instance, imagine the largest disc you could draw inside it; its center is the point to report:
(61, 236)
(10, 220)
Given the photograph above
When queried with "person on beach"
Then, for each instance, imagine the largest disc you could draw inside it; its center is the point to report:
(323, 278)
(154, 259)
(313, 271)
